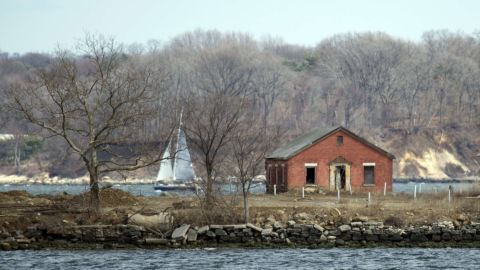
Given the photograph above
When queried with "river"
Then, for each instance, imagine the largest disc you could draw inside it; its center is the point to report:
(147, 189)
(335, 258)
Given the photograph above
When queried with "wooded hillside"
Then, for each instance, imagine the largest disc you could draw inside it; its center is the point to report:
(418, 100)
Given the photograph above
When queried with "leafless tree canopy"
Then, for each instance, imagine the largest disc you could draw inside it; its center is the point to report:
(104, 95)
(99, 104)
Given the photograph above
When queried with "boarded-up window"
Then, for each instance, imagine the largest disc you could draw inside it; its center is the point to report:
(369, 175)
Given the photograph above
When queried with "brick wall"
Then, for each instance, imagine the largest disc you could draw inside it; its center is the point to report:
(325, 151)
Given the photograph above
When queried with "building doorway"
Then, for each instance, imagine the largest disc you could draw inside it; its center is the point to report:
(340, 177)
(310, 175)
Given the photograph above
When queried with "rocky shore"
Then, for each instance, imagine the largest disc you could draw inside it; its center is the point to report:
(360, 232)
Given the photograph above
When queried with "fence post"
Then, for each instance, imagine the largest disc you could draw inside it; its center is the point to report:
(275, 190)
(350, 188)
(369, 198)
(303, 192)
(384, 188)
(415, 192)
(338, 195)
(449, 195)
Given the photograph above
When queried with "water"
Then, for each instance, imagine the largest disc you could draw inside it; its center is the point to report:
(431, 187)
(336, 258)
(136, 189)
(147, 189)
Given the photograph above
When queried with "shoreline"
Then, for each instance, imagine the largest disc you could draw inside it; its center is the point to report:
(23, 180)
(357, 234)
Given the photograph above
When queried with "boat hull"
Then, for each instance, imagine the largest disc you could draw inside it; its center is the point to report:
(174, 187)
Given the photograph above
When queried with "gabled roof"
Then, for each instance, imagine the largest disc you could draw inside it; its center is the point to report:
(303, 142)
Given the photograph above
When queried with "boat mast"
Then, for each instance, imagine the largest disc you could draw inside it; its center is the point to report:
(176, 148)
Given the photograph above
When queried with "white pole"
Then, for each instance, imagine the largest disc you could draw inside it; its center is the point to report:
(384, 188)
(350, 188)
(274, 190)
(368, 198)
(415, 193)
(449, 196)
(303, 192)
(338, 195)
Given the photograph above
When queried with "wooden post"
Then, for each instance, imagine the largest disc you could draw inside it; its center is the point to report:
(415, 192)
(384, 188)
(369, 198)
(303, 192)
(350, 189)
(449, 195)
(274, 190)
(338, 195)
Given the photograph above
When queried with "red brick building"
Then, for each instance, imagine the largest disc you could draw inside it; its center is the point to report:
(332, 158)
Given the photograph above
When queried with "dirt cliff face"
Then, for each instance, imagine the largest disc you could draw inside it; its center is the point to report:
(434, 154)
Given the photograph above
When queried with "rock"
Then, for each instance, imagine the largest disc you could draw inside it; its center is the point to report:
(204, 229)
(344, 228)
(214, 227)
(266, 232)
(318, 227)
(253, 227)
(360, 219)
(290, 223)
(5, 246)
(340, 242)
(220, 232)
(323, 238)
(302, 216)
(331, 238)
(456, 224)
(356, 224)
(271, 219)
(418, 237)
(277, 225)
(180, 233)
(161, 221)
(192, 235)
(211, 234)
(23, 241)
(462, 218)
(156, 241)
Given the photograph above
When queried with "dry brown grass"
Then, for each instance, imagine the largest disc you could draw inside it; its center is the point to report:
(394, 209)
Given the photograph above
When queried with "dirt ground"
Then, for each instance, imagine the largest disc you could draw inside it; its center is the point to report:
(18, 209)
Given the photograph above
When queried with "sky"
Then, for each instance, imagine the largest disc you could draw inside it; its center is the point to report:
(43, 25)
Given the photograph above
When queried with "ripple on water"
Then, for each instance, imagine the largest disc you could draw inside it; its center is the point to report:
(336, 258)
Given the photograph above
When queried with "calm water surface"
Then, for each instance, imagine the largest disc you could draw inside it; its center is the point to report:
(147, 189)
(245, 259)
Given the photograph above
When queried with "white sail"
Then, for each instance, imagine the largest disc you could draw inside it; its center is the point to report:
(182, 166)
(165, 172)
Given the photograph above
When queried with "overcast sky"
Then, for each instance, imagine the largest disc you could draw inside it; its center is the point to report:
(41, 25)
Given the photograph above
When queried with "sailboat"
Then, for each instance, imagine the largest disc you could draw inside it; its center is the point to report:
(179, 175)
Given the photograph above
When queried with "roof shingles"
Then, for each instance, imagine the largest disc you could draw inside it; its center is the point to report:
(302, 142)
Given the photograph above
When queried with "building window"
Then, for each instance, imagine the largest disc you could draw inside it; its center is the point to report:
(310, 179)
(339, 140)
(369, 175)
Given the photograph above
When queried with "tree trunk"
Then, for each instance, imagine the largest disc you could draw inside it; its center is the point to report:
(94, 191)
(209, 187)
(246, 206)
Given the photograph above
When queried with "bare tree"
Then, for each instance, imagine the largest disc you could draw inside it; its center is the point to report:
(249, 145)
(98, 110)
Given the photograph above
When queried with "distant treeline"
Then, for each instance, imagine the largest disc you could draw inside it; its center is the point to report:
(363, 81)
